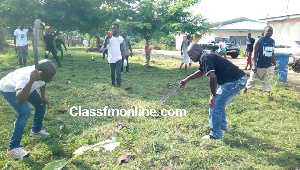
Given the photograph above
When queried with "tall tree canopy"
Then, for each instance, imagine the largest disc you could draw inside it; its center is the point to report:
(161, 17)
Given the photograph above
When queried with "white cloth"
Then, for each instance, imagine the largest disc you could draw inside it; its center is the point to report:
(18, 79)
(85, 43)
(114, 49)
(222, 44)
(21, 37)
(186, 58)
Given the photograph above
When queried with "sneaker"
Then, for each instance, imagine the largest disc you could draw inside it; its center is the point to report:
(208, 137)
(39, 134)
(17, 153)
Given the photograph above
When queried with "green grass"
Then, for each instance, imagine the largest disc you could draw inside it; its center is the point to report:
(261, 134)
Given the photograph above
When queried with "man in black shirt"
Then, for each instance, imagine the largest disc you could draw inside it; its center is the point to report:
(220, 71)
(249, 50)
(50, 46)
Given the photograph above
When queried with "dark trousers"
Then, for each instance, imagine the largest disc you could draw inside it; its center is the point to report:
(52, 50)
(127, 67)
(116, 68)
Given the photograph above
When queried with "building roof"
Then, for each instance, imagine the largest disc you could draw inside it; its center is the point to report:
(239, 24)
(281, 17)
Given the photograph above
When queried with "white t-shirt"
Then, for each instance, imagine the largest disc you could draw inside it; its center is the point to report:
(18, 79)
(85, 42)
(185, 44)
(222, 44)
(21, 37)
(114, 49)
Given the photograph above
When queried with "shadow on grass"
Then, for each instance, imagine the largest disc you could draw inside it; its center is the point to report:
(262, 149)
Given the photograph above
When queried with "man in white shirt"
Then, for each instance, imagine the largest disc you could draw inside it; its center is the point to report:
(19, 88)
(115, 46)
(21, 44)
(85, 43)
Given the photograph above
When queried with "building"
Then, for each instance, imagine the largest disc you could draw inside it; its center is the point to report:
(285, 28)
(236, 30)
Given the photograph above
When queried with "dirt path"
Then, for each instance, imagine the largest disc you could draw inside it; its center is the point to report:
(293, 78)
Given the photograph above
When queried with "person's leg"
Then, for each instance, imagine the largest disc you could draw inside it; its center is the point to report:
(62, 53)
(54, 53)
(20, 123)
(266, 78)
(118, 71)
(225, 94)
(181, 65)
(25, 54)
(251, 81)
(34, 99)
(112, 73)
(127, 67)
(185, 66)
(19, 53)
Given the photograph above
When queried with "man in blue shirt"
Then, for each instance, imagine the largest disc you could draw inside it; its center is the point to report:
(264, 61)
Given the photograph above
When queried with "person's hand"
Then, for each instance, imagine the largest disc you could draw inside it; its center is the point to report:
(35, 75)
(183, 82)
(212, 101)
(181, 53)
(44, 100)
(131, 54)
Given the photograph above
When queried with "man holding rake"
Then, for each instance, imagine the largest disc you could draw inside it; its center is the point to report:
(220, 71)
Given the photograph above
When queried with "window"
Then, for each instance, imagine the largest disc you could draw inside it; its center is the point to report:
(241, 40)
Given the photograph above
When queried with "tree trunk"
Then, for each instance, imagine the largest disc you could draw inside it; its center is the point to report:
(2, 38)
(147, 53)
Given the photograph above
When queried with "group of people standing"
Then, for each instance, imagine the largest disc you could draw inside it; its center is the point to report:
(20, 86)
(51, 45)
(230, 78)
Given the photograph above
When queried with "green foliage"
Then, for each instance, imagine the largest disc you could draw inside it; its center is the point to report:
(243, 53)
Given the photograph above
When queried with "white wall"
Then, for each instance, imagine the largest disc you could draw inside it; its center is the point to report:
(285, 30)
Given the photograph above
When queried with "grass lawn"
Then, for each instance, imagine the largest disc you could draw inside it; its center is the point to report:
(262, 134)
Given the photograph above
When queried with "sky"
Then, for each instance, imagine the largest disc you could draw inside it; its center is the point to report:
(222, 10)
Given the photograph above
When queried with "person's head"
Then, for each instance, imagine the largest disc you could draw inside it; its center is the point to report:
(223, 39)
(49, 30)
(194, 51)
(123, 34)
(268, 32)
(48, 70)
(188, 37)
(249, 35)
(21, 26)
(115, 29)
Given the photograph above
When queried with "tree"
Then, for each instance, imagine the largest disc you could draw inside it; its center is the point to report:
(161, 17)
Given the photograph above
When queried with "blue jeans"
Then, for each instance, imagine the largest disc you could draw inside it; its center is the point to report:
(225, 94)
(24, 114)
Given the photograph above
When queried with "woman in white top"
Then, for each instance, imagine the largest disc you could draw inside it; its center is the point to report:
(222, 48)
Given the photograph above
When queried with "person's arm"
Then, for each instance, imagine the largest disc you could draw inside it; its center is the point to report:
(193, 76)
(23, 94)
(255, 51)
(54, 45)
(43, 95)
(122, 47)
(15, 41)
(273, 59)
(181, 48)
(106, 41)
(130, 48)
(213, 88)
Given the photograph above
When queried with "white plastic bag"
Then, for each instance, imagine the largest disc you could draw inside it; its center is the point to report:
(125, 62)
